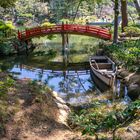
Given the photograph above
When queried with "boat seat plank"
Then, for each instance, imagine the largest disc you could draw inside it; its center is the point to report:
(106, 70)
(98, 57)
(102, 65)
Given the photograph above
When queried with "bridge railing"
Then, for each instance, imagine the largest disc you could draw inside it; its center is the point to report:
(65, 28)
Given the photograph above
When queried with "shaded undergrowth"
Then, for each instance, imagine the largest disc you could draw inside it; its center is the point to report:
(104, 117)
(126, 54)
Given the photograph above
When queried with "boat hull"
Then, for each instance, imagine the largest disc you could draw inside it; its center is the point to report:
(99, 83)
(104, 78)
(103, 68)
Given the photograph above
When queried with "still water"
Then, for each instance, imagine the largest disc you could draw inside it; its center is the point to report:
(72, 86)
(72, 81)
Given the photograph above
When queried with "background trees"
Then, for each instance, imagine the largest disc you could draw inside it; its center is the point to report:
(56, 11)
(7, 3)
(137, 5)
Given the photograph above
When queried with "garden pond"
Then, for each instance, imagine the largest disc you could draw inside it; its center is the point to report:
(71, 79)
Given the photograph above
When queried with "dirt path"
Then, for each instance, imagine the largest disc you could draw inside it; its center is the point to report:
(36, 116)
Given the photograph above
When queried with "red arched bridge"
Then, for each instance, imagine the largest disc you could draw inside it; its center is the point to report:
(87, 30)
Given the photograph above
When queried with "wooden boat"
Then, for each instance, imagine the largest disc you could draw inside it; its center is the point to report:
(103, 68)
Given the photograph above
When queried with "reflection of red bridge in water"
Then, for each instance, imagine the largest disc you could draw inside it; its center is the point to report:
(59, 67)
(86, 30)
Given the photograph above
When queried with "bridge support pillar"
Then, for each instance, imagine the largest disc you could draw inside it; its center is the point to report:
(65, 42)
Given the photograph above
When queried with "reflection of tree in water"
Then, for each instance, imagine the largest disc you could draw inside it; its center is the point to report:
(69, 84)
(50, 76)
(40, 75)
(91, 85)
(7, 64)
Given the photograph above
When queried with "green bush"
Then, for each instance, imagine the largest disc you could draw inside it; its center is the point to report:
(5, 85)
(127, 53)
(2, 25)
(6, 25)
(100, 117)
(10, 25)
(132, 31)
(20, 22)
(65, 20)
(6, 48)
(6, 29)
(48, 24)
(28, 15)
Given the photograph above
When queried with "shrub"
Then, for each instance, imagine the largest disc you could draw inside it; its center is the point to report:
(10, 25)
(2, 25)
(132, 31)
(48, 24)
(6, 48)
(5, 85)
(65, 20)
(20, 22)
(101, 117)
(28, 15)
(128, 53)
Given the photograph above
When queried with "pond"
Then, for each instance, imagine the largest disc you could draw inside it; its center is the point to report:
(45, 64)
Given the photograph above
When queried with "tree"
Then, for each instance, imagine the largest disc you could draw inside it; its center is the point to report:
(32, 9)
(137, 5)
(116, 13)
(124, 14)
(7, 3)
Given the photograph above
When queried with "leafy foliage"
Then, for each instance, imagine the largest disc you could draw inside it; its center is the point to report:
(28, 15)
(101, 117)
(126, 53)
(6, 48)
(132, 31)
(7, 3)
(7, 31)
(5, 85)
(48, 24)
(6, 27)
(20, 22)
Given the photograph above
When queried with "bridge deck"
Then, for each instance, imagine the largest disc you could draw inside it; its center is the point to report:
(65, 28)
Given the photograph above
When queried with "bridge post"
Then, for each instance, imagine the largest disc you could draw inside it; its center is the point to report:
(62, 26)
(19, 35)
(63, 39)
(64, 44)
(26, 33)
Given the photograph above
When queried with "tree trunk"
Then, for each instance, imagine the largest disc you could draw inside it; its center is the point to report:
(124, 14)
(116, 13)
(137, 5)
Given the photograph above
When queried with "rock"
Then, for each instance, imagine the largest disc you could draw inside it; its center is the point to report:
(60, 100)
(130, 129)
(134, 91)
(54, 94)
(127, 78)
(62, 106)
(119, 77)
(135, 79)
(130, 132)
(25, 136)
(123, 73)
(44, 127)
(21, 101)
